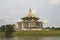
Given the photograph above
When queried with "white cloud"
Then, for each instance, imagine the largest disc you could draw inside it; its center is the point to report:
(56, 25)
(17, 20)
(54, 2)
(45, 21)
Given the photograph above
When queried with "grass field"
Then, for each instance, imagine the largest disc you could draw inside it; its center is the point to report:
(2, 34)
(34, 33)
(37, 33)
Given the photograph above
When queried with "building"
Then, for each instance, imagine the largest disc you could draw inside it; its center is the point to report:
(30, 22)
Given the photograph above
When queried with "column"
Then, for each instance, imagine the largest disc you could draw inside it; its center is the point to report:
(22, 26)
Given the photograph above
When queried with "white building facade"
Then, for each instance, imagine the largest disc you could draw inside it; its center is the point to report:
(30, 22)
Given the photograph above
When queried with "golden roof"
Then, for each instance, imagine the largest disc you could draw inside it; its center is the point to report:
(30, 14)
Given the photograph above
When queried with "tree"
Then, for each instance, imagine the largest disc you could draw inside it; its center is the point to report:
(47, 27)
(9, 30)
(3, 28)
(0, 29)
(53, 28)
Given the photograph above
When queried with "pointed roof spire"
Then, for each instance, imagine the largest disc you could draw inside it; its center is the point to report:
(30, 16)
(30, 13)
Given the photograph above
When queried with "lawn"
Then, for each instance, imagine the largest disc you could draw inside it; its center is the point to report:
(37, 33)
(2, 34)
(34, 33)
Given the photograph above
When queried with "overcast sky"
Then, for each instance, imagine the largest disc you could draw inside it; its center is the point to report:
(47, 10)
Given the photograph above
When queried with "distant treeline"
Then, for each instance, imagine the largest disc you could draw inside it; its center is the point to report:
(7, 29)
(56, 28)
(53, 28)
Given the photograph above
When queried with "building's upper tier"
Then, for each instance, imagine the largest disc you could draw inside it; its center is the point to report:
(30, 16)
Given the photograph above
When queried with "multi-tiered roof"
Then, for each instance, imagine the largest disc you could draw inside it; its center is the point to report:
(30, 16)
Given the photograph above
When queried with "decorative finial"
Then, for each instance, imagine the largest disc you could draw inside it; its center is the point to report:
(30, 10)
(30, 13)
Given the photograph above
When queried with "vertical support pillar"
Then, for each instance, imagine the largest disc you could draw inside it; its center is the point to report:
(22, 26)
(29, 25)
